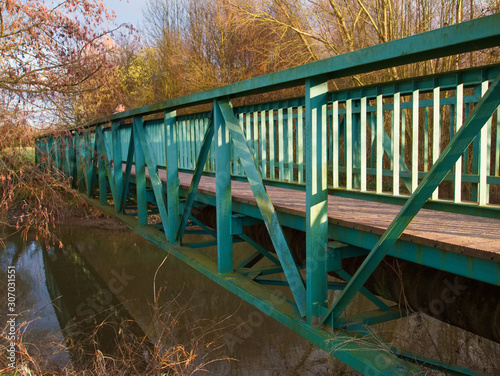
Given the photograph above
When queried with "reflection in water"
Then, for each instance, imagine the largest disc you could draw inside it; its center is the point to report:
(104, 286)
(33, 302)
(193, 311)
(91, 318)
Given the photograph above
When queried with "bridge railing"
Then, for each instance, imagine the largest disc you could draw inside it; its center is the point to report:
(377, 142)
(381, 138)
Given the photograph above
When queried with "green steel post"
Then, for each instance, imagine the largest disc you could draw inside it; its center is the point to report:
(72, 164)
(80, 161)
(316, 198)
(48, 141)
(101, 162)
(91, 167)
(37, 148)
(265, 206)
(172, 174)
(223, 192)
(87, 162)
(66, 168)
(55, 146)
(140, 175)
(475, 122)
(117, 163)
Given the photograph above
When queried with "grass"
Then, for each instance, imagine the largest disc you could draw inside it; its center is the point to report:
(131, 351)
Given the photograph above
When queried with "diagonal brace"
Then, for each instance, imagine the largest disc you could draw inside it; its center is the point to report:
(200, 163)
(476, 120)
(265, 206)
(154, 176)
(128, 170)
(104, 152)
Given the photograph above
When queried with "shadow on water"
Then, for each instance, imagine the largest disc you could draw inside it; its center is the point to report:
(92, 319)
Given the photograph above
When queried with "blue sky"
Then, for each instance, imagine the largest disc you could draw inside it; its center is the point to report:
(127, 11)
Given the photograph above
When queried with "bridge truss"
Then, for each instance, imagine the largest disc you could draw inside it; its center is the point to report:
(427, 142)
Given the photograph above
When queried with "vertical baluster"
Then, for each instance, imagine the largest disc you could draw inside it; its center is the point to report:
(379, 163)
(290, 142)
(185, 144)
(281, 145)
(458, 125)
(396, 142)
(212, 151)
(256, 136)
(426, 139)
(436, 131)
(242, 126)
(263, 143)
(300, 144)
(272, 145)
(373, 120)
(336, 143)
(363, 144)
(348, 143)
(199, 137)
(414, 143)
(201, 134)
(192, 143)
(248, 130)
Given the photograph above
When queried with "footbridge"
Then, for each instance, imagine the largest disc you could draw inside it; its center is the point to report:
(390, 191)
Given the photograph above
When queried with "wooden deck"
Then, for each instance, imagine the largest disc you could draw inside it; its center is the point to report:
(471, 235)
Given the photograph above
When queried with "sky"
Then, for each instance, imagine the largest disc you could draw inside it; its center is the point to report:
(127, 11)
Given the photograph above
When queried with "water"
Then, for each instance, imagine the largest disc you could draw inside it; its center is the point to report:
(116, 287)
(109, 276)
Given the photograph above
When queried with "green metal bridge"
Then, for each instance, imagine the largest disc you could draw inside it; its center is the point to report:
(327, 188)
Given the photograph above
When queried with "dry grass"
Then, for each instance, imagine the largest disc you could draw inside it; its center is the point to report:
(122, 348)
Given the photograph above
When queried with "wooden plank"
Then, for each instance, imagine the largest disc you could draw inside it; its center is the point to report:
(448, 231)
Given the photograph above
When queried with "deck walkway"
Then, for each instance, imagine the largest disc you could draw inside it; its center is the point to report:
(470, 235)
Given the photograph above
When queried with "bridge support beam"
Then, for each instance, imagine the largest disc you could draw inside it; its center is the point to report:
(316, 199)
(117, 164)
(223, 192)
(140, 174)
(172, 174)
